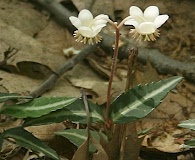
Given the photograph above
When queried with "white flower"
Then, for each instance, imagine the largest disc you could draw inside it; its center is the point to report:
(146, 24)
(88, 27)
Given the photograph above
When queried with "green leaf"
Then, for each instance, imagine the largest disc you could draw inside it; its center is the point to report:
(75, 112)
(27, 140)
(141, 100)
(78, 136)
(37, 107)
(188, 124)
(189, 144)
(6, 96)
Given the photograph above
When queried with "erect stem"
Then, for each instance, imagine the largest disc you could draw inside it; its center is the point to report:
(113, 68)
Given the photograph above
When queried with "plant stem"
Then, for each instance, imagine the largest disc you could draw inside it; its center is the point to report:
(130, 144)
(133, 53)
(113, 68)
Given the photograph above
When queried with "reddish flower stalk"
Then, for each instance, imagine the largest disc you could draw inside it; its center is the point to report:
(113, 68)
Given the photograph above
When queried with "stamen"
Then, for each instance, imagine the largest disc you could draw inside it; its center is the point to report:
(145, 37)
(89, 40)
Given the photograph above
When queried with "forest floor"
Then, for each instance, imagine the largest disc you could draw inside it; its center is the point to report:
(40, 44)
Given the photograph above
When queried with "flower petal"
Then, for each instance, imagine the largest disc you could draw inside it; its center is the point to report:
(160, 20)
(146, 28)
(100, 26)
(102, 16)
(85, 17)
(75, 21)
(85, 32)
(135, 11)
(131, 22)
(96, 31)
(98, 22)
(151, 13)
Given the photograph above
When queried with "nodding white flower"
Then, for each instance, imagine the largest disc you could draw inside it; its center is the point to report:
(88, 27)
(146, 23)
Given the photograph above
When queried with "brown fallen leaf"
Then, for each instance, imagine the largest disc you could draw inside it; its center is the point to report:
(23, 16)
(121, 7)
(101, 153)
(56, 38)
(13, 83)
(8, 148)
(82, 153)
(45, 132)
(83, 76)
(30, 51)
(98, 9)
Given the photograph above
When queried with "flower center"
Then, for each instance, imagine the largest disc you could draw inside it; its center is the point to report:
(145, 37)
(89, 40)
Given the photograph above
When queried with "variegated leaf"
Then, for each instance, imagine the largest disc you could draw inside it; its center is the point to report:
(188, 124)
(78, 136)
(6, 96)
(141, 100)
(189, 144)
(27, 140)
(37, 107)
(75, 112)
